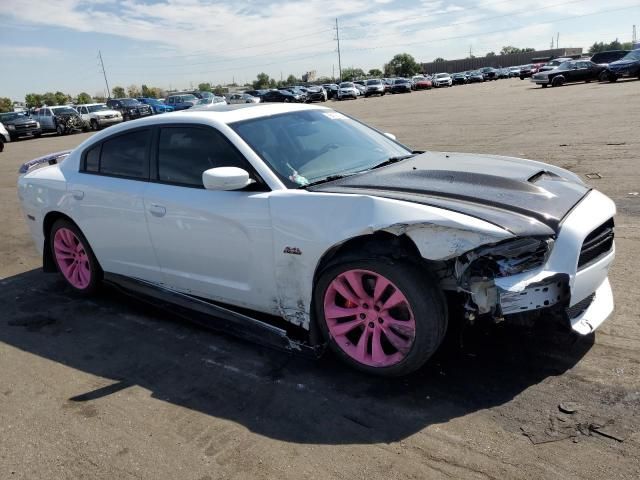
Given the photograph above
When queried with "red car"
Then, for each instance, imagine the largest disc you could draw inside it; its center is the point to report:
(424, 84)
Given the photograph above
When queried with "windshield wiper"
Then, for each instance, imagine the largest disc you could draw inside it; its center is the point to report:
(330, 178)
(391, 160)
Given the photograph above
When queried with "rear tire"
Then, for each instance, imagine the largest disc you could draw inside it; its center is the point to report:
(74, 258)
(381, 317)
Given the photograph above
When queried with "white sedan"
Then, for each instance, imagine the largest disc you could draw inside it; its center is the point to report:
(302, 213)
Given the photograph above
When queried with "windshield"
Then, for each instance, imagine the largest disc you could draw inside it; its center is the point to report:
(206, 94)
(151, 101)
(130, 102)
(97, 108)
(346, 85)
(62, 110)
(632, 55)
(188, 98)
(442, 75)
(308, 146)
(6, 117)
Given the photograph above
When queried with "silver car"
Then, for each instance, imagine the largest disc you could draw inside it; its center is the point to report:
(239, 98)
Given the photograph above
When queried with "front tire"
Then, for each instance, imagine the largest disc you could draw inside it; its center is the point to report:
(74, 258)
(381, 317)
(60, 129)
(557, 82)
(94, 125)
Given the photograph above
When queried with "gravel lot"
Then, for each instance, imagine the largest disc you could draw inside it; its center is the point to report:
(108, 387)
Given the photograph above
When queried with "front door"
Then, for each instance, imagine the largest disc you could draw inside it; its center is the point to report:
(214, 244)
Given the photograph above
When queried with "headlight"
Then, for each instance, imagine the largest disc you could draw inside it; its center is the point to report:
(37, 124)
(11, 127)
(517, 255)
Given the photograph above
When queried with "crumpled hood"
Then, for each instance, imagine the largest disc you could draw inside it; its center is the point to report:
(522, 196)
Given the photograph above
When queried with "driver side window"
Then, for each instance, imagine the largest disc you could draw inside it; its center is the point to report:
(185, 152)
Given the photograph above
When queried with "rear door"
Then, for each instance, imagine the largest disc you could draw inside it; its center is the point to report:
(214, 244)
(107, 203)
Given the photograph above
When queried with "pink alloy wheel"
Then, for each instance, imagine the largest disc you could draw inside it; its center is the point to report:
(72, 258)
(369, 318)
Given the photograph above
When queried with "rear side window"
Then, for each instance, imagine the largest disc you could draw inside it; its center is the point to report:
(185, 152)
(123, 156)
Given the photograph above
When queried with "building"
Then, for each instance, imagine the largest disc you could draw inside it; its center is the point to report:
(498, 61)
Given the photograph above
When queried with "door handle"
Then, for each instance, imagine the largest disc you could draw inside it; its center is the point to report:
(157, 210)
(77, 194)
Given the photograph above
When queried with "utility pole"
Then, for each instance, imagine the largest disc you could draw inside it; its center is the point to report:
(551, 43)
(105, 74)
(558, 40)
(470, 52)
(339, 58)
(634, 38)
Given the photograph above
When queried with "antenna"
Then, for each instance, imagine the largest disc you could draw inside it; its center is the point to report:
(339, 59)
(105, 74)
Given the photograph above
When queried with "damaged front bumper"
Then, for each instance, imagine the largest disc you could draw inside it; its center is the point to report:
(564, 282)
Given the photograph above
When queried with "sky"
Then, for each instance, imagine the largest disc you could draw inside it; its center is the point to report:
(50, 45)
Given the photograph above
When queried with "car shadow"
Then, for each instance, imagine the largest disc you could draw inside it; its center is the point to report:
(272, 393)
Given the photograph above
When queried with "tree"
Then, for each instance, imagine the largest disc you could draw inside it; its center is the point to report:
(49, 99)
(62, 98)
(84, 97)
(99, 97)
(6, 105)
(508, 50)
(262, 81)
(491, 54)
(615, 45)
(291, 79)
(33, 100)
(351, 73)
(439, 59)
(375, 72)
(204, 87)
(402, 65)
(118, 92)
(133, 91)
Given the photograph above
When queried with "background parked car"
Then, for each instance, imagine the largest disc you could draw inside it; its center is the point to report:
(424, 84)
(240, 98)
(361, 89)
(331, 89)
(58, 119)
(280, 96)
(627, 66)
(156, 105)
(514, 71)
(315, 93)
(300, 93)
(182, 102)
(475, 76)
(459, 78)
(401, 85)
(571, 71)
(97, 115)
(489, 73)
(503, 73)
(442, 80)
(375, 86)
(553, 64)
(19, 124)
(129, 108)
(256, 93)
(4, 136)
(347, 90)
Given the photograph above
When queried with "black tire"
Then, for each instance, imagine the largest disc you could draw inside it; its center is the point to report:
(60, 130)
(557, 81)
(96, 273)
(425, 299)
(1, 145)
(37, 134)
(544, 85)
(612, 78)
(94, 125)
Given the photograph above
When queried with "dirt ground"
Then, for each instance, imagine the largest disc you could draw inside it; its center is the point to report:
(108, 387)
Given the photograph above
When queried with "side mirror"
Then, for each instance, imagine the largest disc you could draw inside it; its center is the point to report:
(225, 178)
(390, 135)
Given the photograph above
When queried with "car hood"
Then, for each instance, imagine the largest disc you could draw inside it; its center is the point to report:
(18, 121)
(522, 196)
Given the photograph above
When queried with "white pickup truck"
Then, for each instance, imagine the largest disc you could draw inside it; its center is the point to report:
(98, 115)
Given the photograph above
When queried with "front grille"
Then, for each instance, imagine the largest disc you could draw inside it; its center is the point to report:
(580, 307)
(26, 126)
(597, 244)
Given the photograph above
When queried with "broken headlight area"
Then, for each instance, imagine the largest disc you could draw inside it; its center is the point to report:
(481, 274)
